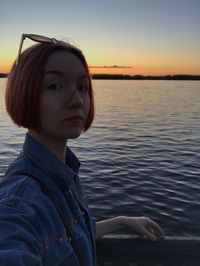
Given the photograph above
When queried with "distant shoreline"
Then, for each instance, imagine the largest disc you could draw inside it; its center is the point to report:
(135, 77)
(142, 77)
(3, 75)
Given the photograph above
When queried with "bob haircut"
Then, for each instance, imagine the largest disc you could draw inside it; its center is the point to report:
(25, 81)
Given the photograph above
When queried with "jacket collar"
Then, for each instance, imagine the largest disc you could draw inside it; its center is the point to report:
(49, 163)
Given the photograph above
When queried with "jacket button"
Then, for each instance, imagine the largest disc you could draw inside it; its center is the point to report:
(46, 247)
(61, 239)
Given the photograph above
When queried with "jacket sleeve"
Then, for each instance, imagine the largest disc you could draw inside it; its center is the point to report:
(20, 235)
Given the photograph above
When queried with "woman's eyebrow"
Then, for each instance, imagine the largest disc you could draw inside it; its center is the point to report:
(84, 76)
(54, 72)
(59, 73)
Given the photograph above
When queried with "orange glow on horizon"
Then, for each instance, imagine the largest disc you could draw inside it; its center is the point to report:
(6, 66)
(5, 69)
(137, 70)
(151, 71)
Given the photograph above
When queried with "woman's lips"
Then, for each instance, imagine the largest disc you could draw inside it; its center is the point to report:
(74, 118)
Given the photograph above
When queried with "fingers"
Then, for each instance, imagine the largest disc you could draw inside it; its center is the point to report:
(154, 228)
(148, 234)
(144, 226)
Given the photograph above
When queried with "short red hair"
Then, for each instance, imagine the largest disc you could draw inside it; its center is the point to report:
(24, 85)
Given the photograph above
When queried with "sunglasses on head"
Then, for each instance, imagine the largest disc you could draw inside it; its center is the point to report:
(40, 39)
(35, 38)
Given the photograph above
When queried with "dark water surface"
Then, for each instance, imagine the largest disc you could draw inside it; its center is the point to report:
(142, 155)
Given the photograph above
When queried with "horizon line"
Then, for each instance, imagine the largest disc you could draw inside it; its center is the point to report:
(136, 76)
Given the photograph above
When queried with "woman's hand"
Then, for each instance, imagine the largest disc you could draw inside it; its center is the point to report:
(144, 226)
(141, 225)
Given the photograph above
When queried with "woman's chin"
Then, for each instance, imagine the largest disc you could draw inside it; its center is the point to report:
(74, 135)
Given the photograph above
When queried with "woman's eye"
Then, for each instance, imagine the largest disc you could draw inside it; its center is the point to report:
(83, 88)
(55, 86)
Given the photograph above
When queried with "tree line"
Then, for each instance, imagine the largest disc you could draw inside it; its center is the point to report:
(141, 77)
(136, 77)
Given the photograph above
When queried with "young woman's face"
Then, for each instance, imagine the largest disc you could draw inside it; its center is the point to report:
(65, 100)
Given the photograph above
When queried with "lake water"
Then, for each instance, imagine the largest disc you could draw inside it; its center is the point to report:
(142, 155)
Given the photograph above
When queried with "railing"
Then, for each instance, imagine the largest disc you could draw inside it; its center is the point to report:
(123, 250)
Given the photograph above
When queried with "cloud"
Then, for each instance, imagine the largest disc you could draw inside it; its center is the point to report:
(113, 66)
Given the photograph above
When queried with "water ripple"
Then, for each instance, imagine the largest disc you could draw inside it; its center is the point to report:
(142, 156)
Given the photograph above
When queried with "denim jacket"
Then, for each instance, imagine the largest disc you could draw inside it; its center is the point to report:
(31, 228)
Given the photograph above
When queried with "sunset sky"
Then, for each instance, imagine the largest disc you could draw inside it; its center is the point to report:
(148, 37)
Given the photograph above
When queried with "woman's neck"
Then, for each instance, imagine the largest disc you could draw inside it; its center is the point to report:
(55, 145)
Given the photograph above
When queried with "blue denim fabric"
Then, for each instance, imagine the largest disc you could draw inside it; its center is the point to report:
(31, 230)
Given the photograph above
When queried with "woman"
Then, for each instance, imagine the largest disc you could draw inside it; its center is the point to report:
(44, 218)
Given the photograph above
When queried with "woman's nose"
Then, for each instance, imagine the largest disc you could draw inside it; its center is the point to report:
(75, 99)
